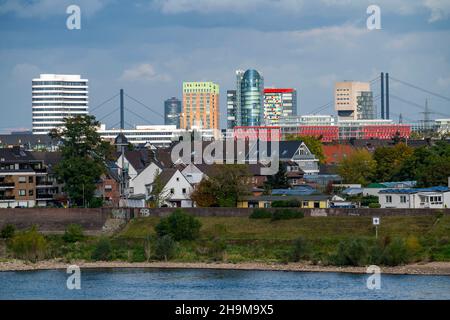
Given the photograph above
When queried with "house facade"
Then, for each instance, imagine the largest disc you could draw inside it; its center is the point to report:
(429, 198)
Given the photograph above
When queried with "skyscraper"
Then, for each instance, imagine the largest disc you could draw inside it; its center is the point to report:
(248, 107)
(172, 112)
(279, 104)
(200, 105)
(353, 100)
(55, 97)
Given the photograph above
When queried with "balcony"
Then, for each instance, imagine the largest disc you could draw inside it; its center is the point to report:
(44, 196)
(6, 198)
(6, 185)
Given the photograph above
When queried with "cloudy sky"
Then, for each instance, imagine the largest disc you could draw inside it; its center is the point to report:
(149, 47)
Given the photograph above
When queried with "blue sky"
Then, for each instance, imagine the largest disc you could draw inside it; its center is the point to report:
(149, 47)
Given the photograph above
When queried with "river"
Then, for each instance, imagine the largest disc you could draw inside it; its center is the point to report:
(187, 284)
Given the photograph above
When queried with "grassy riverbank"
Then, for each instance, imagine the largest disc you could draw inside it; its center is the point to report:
(232, 240)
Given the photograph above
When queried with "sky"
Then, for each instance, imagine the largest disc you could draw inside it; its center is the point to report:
(149, 47)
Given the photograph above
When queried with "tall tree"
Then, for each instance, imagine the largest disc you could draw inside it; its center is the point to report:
(83, 157)
(314, 144)
(277, 181)
(389, 160)
(359, 167)
(225, 184)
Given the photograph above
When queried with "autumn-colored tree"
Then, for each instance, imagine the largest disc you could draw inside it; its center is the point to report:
(359, 167)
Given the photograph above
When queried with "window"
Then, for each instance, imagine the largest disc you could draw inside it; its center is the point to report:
(402, 199)
(22, 179)
(184, 190)
(30, 179)
(30, 192)
(388, 199)
(172, 191)
(305, 204)
(22, 192)
(178, 178)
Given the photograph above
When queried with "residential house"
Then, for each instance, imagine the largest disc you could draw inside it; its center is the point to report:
(433, 198)
(373, 189)
(176, 190)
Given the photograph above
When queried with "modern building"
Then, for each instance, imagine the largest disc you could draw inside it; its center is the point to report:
(443, 126)
(354, 101)
(55, 97)
(172, 112)
(279, 104)
(157, 135)
(245, 107)
(231, 109)
(200, 105)
(28, 141)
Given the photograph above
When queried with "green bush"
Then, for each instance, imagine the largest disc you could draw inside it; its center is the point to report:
(102, 250)
(350, 253)
(396, 253)
(367, 201)
(165, 247)
(300, 250)
(260, 213)
(8, 231)
(216, 249)
(73, 233)
(285, 214)
(179, 225)
(374, 205)
(286, 204)
(29, 245)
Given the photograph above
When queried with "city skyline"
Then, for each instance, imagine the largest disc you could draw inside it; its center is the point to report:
(172, 44)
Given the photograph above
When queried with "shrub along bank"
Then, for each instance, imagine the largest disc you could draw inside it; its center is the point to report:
(276, 236)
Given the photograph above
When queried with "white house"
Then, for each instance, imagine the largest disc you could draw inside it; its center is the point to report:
(193, 174)
(434, 198)
(177, 189)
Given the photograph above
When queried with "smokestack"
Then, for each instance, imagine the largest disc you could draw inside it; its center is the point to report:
(382, 95)
(387, 96)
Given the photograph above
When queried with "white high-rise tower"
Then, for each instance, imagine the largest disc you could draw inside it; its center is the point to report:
(55, 97)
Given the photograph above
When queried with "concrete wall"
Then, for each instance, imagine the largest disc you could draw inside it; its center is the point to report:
(54, 219)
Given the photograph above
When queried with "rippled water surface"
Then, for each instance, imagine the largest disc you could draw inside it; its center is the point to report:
(217, 284)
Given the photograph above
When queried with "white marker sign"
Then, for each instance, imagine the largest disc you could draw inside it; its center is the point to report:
(376, 221)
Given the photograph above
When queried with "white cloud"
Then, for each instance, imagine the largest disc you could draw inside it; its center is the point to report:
(45, 8)
(444, 82)
(440, 9)
(239, 6)
(144, 71)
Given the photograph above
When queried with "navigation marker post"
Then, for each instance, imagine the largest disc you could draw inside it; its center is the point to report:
(376, 223)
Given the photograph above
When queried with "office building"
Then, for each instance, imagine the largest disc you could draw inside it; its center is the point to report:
(55, 97)
(354, 101)
(172, 112)
(279, 104)
(248, 108)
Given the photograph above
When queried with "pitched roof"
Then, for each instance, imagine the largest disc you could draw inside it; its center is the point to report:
(16, 154)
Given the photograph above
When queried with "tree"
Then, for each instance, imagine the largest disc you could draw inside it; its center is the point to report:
(278, 180)
(359, 167)
(314, 145)
(83, 157)
(73, 233)
(165, 247)
(225, 184)
(157, 194)
(179, 225)
(428, 165)
(389, 160)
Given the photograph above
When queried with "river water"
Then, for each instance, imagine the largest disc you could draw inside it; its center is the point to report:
(187, 284)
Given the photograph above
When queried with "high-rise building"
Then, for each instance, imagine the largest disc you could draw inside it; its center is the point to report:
(172, 112)
(354, 101)
(55, 97)
(248, 107)
(200, 105)
(279, 104)
(231, 109)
